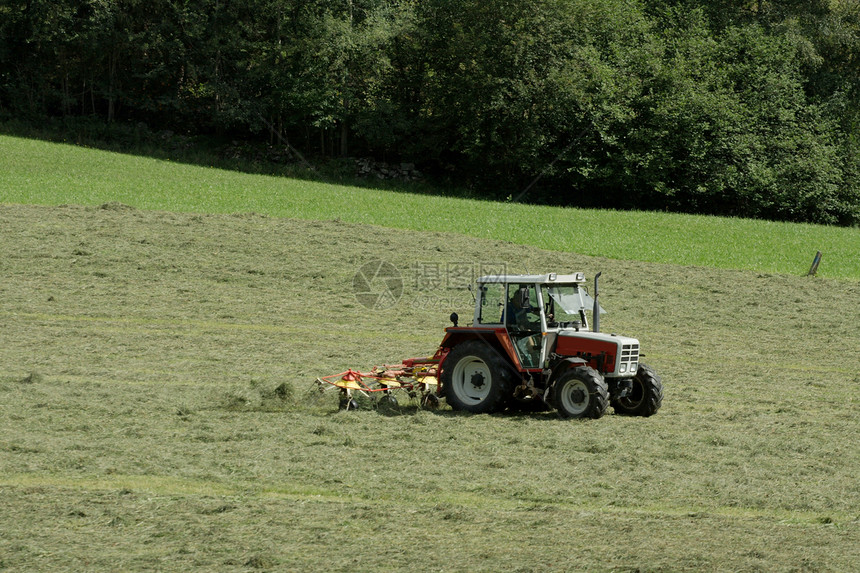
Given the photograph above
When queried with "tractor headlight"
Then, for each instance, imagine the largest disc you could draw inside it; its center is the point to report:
(622, 369)
(633, 367)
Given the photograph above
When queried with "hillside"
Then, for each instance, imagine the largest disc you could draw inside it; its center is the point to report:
(84, 176)
(157, 409)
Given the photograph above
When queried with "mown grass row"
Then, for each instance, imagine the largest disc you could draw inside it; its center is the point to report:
(37, 172)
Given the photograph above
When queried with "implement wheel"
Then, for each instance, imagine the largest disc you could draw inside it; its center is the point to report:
(646, 396)
(387, 403)
(475, 378)
(580, 393)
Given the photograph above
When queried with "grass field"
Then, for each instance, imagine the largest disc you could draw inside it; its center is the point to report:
(36, 172)
(157, 410)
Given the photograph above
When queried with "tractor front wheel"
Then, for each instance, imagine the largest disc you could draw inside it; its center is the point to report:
(475, 378)
(645, 397)
(581, 392)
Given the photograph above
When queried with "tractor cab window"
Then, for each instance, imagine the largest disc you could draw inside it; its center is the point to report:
(522, 311)
(522, 317)
(492, 303)
(565, 305)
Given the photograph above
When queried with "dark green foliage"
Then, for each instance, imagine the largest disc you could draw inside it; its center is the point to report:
(740, 107)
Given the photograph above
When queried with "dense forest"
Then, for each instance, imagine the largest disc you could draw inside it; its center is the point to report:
(733, 107)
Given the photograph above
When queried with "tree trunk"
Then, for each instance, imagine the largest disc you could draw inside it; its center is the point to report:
(112, 65)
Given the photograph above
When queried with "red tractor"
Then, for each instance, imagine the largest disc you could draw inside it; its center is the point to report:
(530, 347)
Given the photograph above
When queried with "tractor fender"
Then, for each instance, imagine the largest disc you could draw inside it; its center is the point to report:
(495, 338)
(562, 365)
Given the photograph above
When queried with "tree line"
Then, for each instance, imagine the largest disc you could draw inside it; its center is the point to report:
(731, 107)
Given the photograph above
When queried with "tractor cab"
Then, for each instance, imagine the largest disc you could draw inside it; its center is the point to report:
(533, 309)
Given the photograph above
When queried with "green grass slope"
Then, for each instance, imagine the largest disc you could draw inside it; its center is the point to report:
(36, 172)
(157, 410)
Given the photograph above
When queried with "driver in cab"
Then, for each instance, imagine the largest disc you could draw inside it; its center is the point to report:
(524, 325)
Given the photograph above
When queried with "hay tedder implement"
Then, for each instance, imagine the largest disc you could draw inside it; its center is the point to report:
(530, 347)
(417, 377)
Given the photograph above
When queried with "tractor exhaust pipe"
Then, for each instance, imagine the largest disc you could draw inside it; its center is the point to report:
(596, 310)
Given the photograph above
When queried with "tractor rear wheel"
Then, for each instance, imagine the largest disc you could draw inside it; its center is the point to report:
(475, 378)
(646, 396)
(581, 392)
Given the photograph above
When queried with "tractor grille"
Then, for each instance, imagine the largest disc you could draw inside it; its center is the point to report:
(629, 353)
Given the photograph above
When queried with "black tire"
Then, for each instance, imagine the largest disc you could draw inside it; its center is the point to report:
(646, 396)
(580, 392)
(475, 378)
(387, 403)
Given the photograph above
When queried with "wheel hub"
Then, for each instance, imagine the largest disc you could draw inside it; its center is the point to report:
(577, 396)
(477, 380)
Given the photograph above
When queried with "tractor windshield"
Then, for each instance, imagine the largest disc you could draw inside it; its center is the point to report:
(567, 298)
(566, 303)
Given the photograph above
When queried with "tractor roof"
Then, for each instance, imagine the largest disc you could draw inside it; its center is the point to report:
(531, 279)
